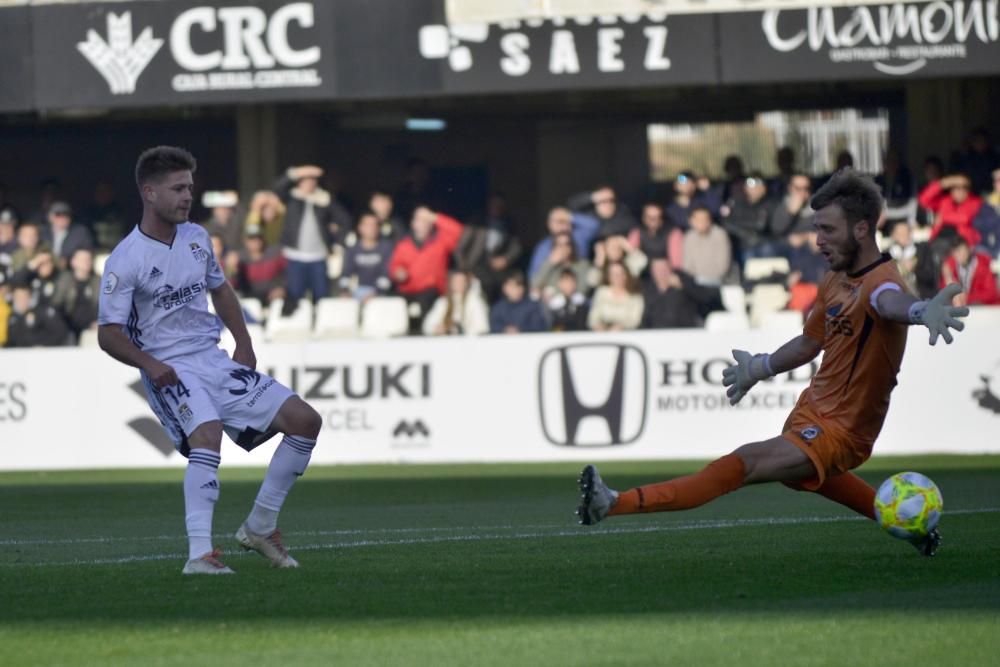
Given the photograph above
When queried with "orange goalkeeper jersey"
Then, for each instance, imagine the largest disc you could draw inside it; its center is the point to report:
(862, 351)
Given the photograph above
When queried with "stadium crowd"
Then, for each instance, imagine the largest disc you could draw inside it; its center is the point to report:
(599, 266)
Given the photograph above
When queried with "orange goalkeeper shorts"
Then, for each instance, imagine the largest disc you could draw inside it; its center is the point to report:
(832, 449)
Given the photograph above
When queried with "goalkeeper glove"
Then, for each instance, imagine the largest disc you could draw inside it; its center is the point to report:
(746, 373)
(938, 314)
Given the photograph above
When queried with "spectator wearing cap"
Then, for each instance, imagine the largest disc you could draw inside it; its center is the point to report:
(314, 223)
(77, 292)
(747, 218)
(8, 240)
(225, 218)
(614, 218)
(708, 252)
(31, 325)
(972, 271)
(65, 236)
(690, 192)
(955, 206)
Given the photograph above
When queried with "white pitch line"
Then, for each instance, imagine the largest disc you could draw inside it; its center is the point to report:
(709, 524)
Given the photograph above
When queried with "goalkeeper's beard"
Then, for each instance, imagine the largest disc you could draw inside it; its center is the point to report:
(848, 255)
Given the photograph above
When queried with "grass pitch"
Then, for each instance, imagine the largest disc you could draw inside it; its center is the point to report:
(484, 565)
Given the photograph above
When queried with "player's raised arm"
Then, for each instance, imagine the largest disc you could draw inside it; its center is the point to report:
(937, 314)
(752, 368)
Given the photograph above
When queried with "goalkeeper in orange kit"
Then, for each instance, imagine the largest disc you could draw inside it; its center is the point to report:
(860, 322)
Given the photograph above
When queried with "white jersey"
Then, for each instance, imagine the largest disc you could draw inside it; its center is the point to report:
(158, 292)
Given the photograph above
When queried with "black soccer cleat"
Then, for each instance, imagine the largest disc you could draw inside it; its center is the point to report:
(597, 498)
(928, 544)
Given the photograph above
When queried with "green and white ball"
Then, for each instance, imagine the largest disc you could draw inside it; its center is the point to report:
(908, 505)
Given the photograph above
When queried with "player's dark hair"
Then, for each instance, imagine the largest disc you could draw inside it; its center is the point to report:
(856, 195)
(157, 162)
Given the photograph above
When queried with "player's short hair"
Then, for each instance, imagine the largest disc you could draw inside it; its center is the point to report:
(154, 163)
(856, 195)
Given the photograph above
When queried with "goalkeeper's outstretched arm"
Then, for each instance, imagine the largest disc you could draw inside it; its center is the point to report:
(937, 314)
(750, 369)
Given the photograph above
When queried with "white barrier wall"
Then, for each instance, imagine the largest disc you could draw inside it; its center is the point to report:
(548, 397)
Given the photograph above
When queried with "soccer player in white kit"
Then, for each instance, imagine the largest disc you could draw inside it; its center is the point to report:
(154, 316)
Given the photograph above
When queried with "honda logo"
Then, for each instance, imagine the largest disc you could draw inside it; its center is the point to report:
(593, 394)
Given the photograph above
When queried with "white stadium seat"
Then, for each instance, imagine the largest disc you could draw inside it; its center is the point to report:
(253, 307)
(766, 299)
(100, 259)
(734, 298)
(336, 317)
(759, 268)
(88, 338)
(295, 328)
(721, 320)
(385, 316)
(228, 343)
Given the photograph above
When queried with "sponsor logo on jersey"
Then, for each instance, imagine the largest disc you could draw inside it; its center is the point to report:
(167, 297)
(199, 253)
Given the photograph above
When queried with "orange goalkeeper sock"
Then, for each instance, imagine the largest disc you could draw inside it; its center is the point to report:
(717, 478)
(850, 490)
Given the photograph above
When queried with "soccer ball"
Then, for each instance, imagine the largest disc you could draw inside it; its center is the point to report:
(908, 505)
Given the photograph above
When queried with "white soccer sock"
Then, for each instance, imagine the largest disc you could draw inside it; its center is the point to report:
(289, 461)
(201, 490)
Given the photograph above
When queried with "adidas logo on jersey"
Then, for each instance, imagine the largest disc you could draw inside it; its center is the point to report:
(155, 273)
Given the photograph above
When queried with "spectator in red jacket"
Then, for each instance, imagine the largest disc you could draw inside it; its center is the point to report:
(954, 205)
(419, 264)
(972, 271)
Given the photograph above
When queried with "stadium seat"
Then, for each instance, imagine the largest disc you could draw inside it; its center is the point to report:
(782, 320)
(228, 343)
(335, 262)
(295, 328)
(385, 316)
(336, 317)
(921, 234)
(766, 299)
(723, 320)
(88, 338)
(734, 298)
(253, 309)
(100, 259)
(759, 268)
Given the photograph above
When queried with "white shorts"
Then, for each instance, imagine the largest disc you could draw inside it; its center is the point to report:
(213, 387)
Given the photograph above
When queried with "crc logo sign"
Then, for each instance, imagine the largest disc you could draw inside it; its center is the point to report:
(593, 394)
(248, 49)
